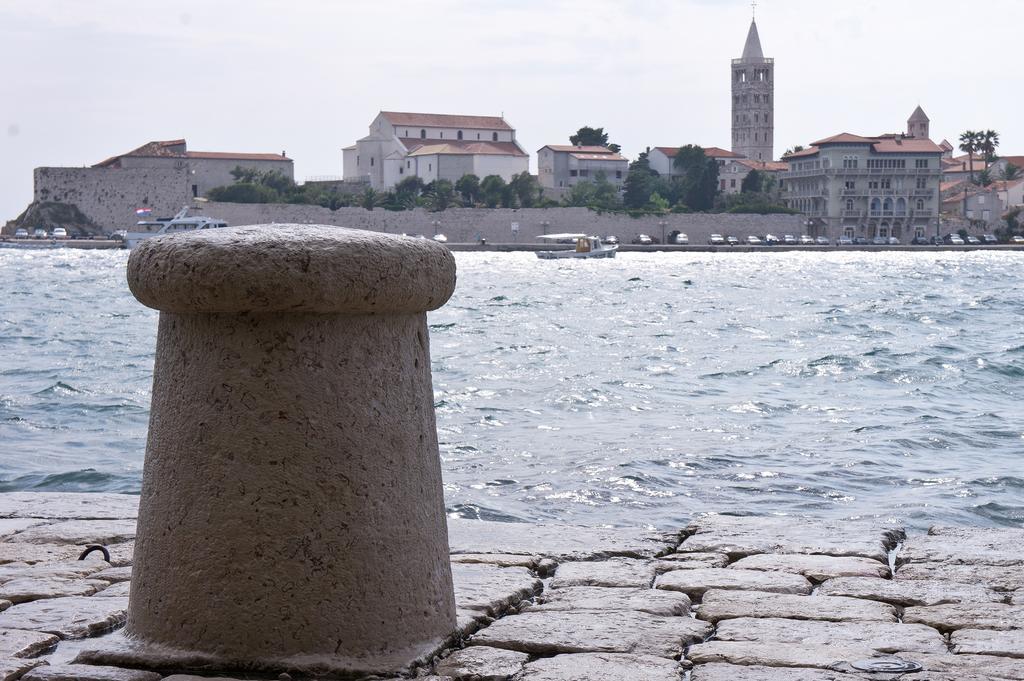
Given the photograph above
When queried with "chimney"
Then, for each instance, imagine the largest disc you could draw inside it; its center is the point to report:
(283, 155)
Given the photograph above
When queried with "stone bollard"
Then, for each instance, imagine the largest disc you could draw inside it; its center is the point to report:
(292, 516)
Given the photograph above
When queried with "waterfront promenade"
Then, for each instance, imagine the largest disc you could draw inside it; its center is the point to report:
(725, 598)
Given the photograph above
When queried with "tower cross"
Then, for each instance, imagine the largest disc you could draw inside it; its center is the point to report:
(753, 9)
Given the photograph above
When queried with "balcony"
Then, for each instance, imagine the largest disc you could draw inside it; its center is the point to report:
(924, 192)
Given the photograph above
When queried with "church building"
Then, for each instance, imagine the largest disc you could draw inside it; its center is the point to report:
(753, 101)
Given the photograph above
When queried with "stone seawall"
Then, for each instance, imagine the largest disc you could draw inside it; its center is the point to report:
(495, 225)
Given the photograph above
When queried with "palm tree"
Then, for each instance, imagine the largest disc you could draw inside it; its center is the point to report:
(970, 142)
(1011, 172)
(989, 140)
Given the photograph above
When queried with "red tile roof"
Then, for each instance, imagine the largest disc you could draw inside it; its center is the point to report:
(177, 149)
(710, 152)
(429, 120)
(809, 151)
(845, 138)
(420, 147)
(907, 145)
(767, 166)
(599, 157)
(578, 149)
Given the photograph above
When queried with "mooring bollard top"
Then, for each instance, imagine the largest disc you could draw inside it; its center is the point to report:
(291, 268)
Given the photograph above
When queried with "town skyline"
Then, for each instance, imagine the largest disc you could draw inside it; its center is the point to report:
(148, 73)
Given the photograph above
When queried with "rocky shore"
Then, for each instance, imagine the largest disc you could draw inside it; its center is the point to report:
(726, 598)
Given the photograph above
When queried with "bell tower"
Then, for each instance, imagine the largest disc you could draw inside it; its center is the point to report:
(753, 101)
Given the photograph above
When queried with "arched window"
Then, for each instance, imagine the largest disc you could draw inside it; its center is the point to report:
(901, 206)
(423, 134)
(876, 206)
(494, 136)
(887, 206)
(460, 134)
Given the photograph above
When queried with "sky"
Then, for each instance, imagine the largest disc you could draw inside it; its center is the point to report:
(82, 81)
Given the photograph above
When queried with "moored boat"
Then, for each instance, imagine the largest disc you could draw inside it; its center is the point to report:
(181, 222)
(586, 247)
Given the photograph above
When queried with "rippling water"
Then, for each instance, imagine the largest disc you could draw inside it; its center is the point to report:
(642, 390)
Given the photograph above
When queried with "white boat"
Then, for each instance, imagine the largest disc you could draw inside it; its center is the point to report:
(181, 222)
(586, 247)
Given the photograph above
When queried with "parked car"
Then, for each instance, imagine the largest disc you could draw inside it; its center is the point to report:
(789, 239)
(989, 239)
(611, 239)
(822, 241)
(1017, 239)
(893, 241)
(936, 241)
(806, 240)
(440, 238)
(59, 233)
(732, 241)
(39, 233)
(643, 240)
(716, 240)
(770, 240)
(953, 240)
(845, 241)
(880, 241)
(920, 241)
(682, 239)
(861, 241)
(973, 240)
(21, 233)
(753, 241)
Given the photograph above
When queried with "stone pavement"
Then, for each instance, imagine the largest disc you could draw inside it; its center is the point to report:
(725, 599)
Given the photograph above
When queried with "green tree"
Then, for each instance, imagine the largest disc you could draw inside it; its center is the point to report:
(468, 186)
(492, 190)
(1011, 172)
(369, 199)
(581, 194)
(439, 195)
(794, 149)
(526, 189)
(244, 192)
(657, 204)
(985, 178)
(753, 182)
(989, 142)
(246, 175)
(410, 186)
(640, 183)
(970, 144)
(592, 137)
(699, 177)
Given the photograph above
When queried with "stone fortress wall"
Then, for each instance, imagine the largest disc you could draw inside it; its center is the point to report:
(109, 196)
(495, 225)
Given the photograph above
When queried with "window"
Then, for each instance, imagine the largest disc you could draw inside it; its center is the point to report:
(851, 185)
(371, 161)
(406, 133)
(618, 174)
(981, 200)
(478, 135)
(849, 204)
(195, 190)
(584, 172)
(921, 163)
(430, 166)
(408, 164)
(887, 163)
(423, 134)
(922, 183)
(970, 214)
(732, 184)
(401, 170)
(721, 184)
(920, 204)
(873, 184)
(459, 135)
(886, 184)
(573, 173)
(850, 161)
(985, 215)
(494, 137)
(442, 134)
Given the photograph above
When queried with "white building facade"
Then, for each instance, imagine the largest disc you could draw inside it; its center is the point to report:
(563, 166)
(432, 147)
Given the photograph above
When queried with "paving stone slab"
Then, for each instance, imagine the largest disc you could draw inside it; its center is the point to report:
(70, 569)
(71, 617)
(908, 592)
(121, 555)
(78, 532)
(723, 605)
(601, 667)
(686, 561)
(12, 669)
(469, 621)
(86, 672)
(747, 535)
(613, 573)
(37, 553)
(555, 541)
(695, 582)
(883, 637)
(9, 526)
(499, 559)
(651, 601)
(965, 546)
(20, 643)
(491, 589)
(114, 574)
(730, 672)
(967, 616)
(996, 577)
(733, 672)
(119, 590)
(482, 663)
(548, 633)
(960, 666)
(814, 567)
(189, 677)
(35, 588)
(65, 505)
(989, 642)
(775, 654)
